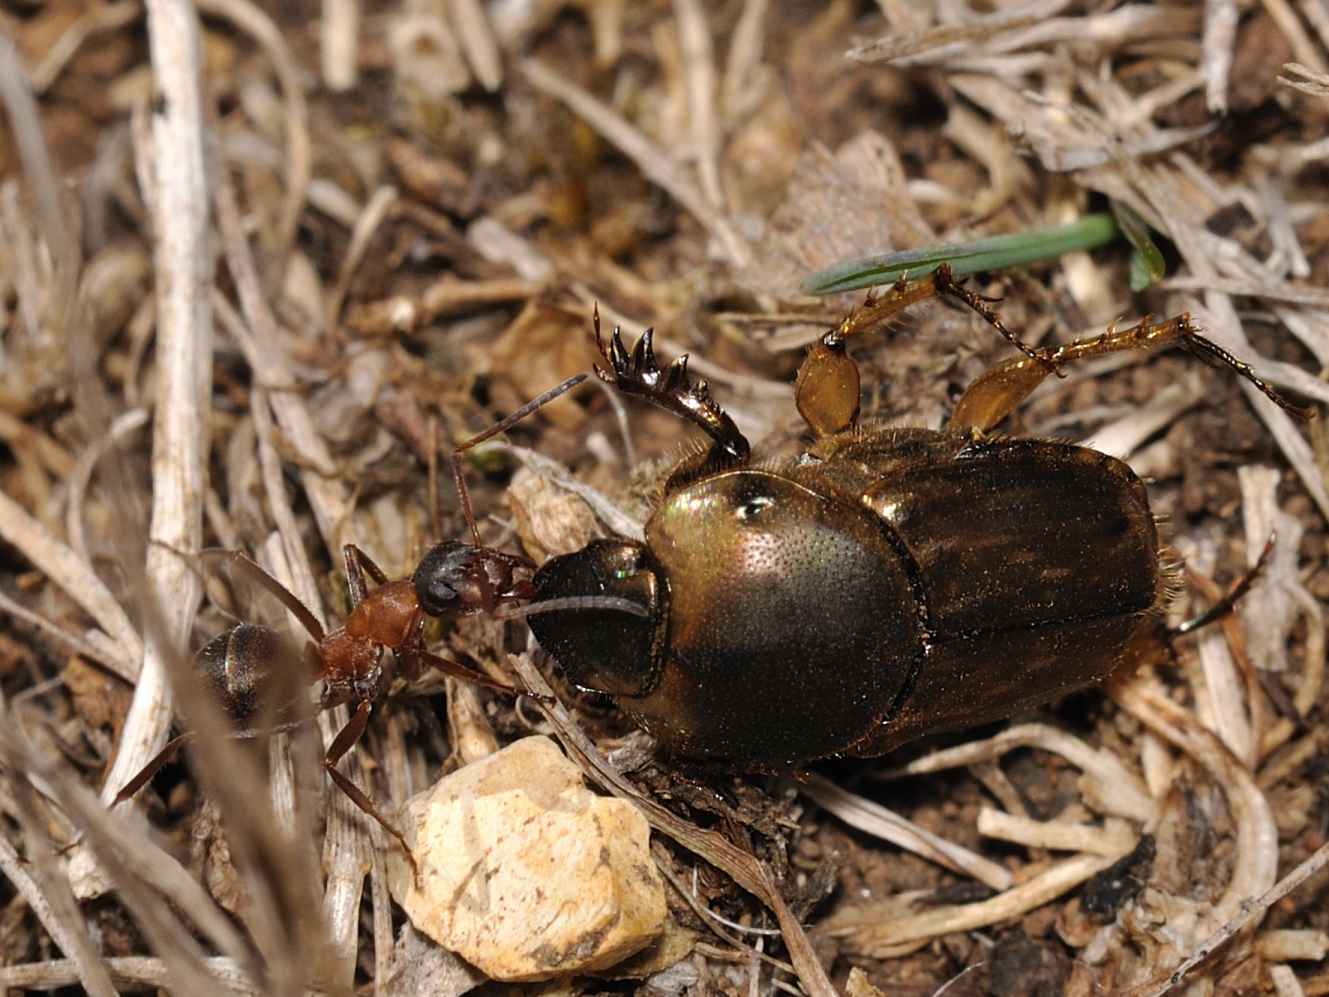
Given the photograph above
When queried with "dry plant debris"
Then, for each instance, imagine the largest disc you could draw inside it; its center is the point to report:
(261, 264)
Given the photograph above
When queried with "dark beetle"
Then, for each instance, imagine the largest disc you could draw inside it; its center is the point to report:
(881, 585)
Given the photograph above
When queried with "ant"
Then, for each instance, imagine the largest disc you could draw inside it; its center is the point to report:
(452, 580)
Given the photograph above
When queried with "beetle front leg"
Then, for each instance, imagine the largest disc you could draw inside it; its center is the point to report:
(995, 393)
(639, 374)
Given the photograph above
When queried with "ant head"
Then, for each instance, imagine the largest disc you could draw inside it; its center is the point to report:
(458, 579)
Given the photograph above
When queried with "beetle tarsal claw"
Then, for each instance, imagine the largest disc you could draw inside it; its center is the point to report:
(646, 346)
(618, 354)
(677, 374)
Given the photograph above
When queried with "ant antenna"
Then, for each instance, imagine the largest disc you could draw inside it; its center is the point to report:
(534, 405)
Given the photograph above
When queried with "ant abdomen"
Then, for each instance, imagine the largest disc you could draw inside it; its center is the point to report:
(237, 664)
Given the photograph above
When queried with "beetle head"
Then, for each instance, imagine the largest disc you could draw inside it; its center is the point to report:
(616, 651)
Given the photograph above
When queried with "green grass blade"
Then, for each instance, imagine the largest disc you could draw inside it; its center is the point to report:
(995, 253)
(1147, 263)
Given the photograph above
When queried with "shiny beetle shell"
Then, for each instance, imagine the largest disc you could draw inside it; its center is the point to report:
(880, 587)
(882, 584)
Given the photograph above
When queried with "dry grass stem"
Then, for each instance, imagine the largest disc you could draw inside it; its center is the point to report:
(900, 935)
(945, 40)
(100, 20)
(103, 651)
(1287, 946)
(1124, 436)
(65, 927)
(81, 473)
(126, 971)
(339, 43)
(1113, 839)
(1256, 840)
(699, 73)
(1311, 296)
(1294, 33)
(877, 820)
(184, 341)
(740, 85)
(1285, 982)
(76, 577)
(1112, 784)
(328, 496)
(607, 510)
(1220, 34)
(415, 209)
(477, 41)
(653, 162)
(1252, 912)
(1311, 82)
(299, 155)
(142, 872)
(445, 297)
(375, 210)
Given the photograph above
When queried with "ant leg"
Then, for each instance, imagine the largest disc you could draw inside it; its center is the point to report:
(997, 391)
(257, 574)
(534, 405)
(145, 774)
(408, 654)
(460, 671)
(346, 739)
(827, 389)
(358, 564)
(1228, 603)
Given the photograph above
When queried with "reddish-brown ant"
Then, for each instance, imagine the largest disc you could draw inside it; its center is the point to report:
(452, 580)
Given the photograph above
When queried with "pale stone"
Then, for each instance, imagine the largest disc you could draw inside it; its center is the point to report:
(524, 872)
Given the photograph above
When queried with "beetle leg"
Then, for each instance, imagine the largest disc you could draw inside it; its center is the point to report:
(638, 373)
(827, 390)
(997, 391)
(946, 285)
(1228, 603)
